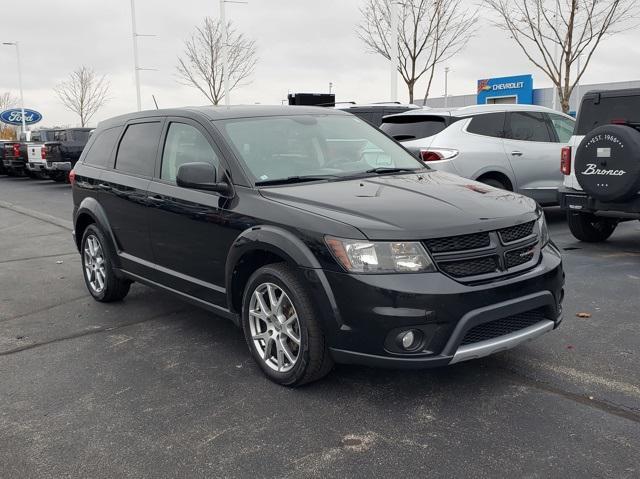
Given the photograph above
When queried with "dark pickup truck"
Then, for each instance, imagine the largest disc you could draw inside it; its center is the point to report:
(11, 158)
(63, 152)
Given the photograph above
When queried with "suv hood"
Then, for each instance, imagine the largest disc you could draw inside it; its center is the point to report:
(409, 206)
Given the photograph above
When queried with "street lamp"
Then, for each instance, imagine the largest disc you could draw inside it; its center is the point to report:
(225, 49)
(446, 86)
(15, 44)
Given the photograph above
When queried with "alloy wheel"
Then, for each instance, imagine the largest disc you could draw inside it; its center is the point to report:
(274, 327)
(94, 265)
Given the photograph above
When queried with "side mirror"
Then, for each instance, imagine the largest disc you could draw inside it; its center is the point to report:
(201, 176)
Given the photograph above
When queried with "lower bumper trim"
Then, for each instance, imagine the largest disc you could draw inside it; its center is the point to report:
(501, 343)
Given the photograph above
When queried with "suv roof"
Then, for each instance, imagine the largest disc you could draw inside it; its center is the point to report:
(225, 113)
(376, 106)
(476, 109)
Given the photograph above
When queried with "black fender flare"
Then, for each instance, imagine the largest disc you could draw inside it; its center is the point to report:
(90, 207)
(286, 245)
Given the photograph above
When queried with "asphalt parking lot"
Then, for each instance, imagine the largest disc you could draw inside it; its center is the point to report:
(153, 387)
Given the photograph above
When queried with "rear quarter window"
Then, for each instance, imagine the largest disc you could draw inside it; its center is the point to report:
(412, 127)
(100, 151)
(489, 124)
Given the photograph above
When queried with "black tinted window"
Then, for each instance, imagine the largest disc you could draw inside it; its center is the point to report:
(100, 152)
(412, 127)
(138, 148)
(528, 126)
(490, 124)
(78, 135)
(593, 115)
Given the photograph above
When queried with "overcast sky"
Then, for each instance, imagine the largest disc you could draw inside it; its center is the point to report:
(302, 46)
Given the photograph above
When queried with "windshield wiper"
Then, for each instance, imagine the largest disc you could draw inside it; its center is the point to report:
(383, 170)
(295, 179)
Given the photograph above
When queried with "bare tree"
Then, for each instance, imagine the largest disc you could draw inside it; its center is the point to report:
(84, 93)
(201, 65)
(7, 100)
(430, 32)
(575, 28)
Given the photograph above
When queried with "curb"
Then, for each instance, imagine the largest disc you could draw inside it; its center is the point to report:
(68, 225)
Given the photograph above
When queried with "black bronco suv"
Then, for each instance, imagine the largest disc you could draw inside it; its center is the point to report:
(320, 236)
(602, 165)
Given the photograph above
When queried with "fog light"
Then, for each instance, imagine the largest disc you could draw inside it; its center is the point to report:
(408, 339)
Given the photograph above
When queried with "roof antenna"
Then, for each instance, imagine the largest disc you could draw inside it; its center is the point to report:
(154, 101)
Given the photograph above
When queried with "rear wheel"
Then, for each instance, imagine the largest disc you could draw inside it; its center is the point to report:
(282, 329)
(590, 228)
(99, 275)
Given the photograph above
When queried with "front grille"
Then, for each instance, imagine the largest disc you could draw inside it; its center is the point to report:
(519, 256)
(501, 327)
(471, 267)
(515, 233)
(458, 243)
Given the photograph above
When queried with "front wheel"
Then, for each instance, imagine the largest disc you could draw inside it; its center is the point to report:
(99, 275)
(282, 328)
(590, 228)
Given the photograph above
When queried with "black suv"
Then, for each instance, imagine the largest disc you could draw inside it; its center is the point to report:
(602, 165)
(320, 236)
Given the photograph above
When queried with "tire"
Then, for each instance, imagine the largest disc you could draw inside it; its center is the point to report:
(495, 183)
(590, 228)
(311, 357)
(93, 247)
(607, 163)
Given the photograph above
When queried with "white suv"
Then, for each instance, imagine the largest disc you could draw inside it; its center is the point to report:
(514, 147)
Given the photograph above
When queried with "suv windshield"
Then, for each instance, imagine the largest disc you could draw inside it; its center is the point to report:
(298, 146)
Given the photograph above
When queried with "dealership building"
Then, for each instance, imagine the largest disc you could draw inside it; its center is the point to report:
(519, 89)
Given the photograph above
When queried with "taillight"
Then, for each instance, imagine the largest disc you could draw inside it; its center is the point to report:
(619, 121)
(437, 154)
(565, 161)
(16, 150)
(426, 155)
(72, 177)
(43, 153)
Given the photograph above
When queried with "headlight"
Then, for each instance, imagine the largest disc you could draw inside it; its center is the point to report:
(357, 256)
(544, 230)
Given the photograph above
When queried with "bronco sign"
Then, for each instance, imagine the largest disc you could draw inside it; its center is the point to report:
(14, 116)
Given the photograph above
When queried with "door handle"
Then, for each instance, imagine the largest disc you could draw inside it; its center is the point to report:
(516, 153)
(156, 199)
(104, 187)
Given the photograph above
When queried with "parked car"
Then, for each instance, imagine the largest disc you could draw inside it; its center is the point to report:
(602, 165)
(375, 112)
(11, 158)
(274, 218)
(514, 147)
(32, 150)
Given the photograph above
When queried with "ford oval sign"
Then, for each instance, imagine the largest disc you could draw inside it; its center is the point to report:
(14, 116)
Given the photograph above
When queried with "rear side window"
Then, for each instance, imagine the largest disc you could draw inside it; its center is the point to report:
(100, 152)
(609, 108)
(412, 127)
(138, 149)
(489, 124)
(528, 126)
(78, 135)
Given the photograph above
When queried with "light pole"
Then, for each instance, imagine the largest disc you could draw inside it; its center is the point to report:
(15, 44)
(393, 51)
(225, 49)
(446, 86)
(136, 67)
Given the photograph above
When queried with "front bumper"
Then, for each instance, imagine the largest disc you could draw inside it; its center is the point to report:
(579, 201)
(371, 307)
